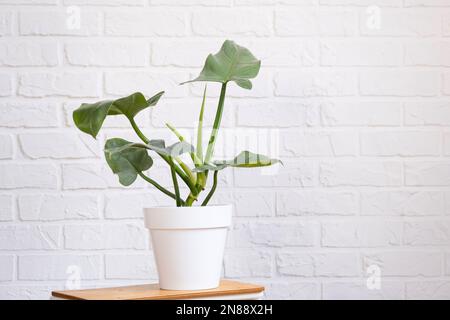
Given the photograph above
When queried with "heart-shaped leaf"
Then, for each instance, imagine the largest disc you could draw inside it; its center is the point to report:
(126, 159)
(89, 117)
(231, 63)
(245, 159)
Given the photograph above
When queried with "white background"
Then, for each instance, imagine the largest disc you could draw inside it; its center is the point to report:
(360, 111)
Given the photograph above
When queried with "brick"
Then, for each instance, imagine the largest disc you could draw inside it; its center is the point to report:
(212, 3)
(296, 203)
(25, 292)
(226, 22)
(57, 267)
(6, 207)
(361, 234)
(292, 174)
(182, 53)
(427, 173)
(108, 53)
(7, 269)
(275, 234)
(399, 83)
(361, 173)
(59, 145)
(187, 116)
(7, 151)
(427, 3)
(446, 25)
(26, 53)
(30, 237)
(360, 53)
(277, 114)
(362, 3)
(106, 2)
(5, 85)
(401, 143)
(295, 263)
(248, 263)
(254, 204)
(361, 113)
(292, 291)
(127, 206)
(71, 84)
(315, 22)
(401, 23)
(402, 203)
(105, 236)
(427, 113)
(130, 266)
(149, 83)
(358, 290)
(58, 22)
(28, 176)
(427, 54)
(48, 207)
(28, 114)
(315, 84)
(447, 143)
(285, 52)
(88, 176)
(5, 23)
(433, 233)
(428, 290)
(145, 23)
(46, 2)
(294, 143)
(446, 84)
(405, 263)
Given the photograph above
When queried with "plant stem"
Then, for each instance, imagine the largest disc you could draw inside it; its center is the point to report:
(175, 185)
(217, 120)
(200, 129)
(185, 178)
(138, 131)
(190, 200)
(157, 185)
(213, 189)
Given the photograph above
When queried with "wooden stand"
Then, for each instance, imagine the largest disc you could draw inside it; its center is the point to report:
(228, 290)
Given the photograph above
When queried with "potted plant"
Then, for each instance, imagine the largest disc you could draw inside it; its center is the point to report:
(189, 238)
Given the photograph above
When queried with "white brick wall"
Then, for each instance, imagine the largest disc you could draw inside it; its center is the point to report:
(361, 113)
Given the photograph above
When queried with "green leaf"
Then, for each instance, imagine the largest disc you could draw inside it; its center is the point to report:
(245, 159)
(231, 63)
(173, 150)
(126, 159)
(89, 117)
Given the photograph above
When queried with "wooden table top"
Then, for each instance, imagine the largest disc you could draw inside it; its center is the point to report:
(152, 292)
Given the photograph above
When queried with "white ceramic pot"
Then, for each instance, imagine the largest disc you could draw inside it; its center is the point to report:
(188, 244)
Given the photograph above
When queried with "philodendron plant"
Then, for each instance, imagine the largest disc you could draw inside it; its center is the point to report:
(128, 160)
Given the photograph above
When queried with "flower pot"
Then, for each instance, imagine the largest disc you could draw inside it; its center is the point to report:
(188, 245)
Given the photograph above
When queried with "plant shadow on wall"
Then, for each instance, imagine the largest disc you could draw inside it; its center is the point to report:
(131, 159)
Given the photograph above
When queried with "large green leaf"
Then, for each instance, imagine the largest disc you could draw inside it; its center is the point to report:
(245, 159)
(231, 63)
(89, 117)
(126, 159)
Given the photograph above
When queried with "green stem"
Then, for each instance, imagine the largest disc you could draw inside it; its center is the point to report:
(158, 186)
(190, 200)
(213, 189)
(183, 176)
(138, 131)
(217, 120)
(175, 186)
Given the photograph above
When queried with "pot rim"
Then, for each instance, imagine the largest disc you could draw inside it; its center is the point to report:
(198, 217)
